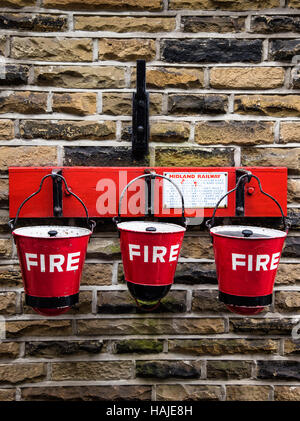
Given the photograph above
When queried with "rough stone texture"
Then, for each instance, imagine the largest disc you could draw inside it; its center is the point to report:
(295, 78)
(197, 104)
(124, 23)
(54, 349)
(143, 346)
(14, 74)
(10, 276)
(246, 77)
(17, 3)
(172, 77)
(234, 132)
(187, 392)
(104, 248)
(294, 3)
(291, 346)
(29, 22)
(80, 76)
(207, 301)
(223, 346)
(18, 373)
(229, 369)
(212, 51)
(126, 49)
(26, 156)
(5, 247)
(92, 370)
(287, 393)
(8, 303)
(224, 4)
(195, 273)
(272, 157)
(121, 104)
(284, 49)
(279, 370)
(167, 131)
(219, 24)
(151, 5)
(289, 132)
(6, 129)
(287, 301)
(7, 395)
(273, 105)
(293, 190)
(15, 329)
(169, 369)
(67, 130)
(261, 326)
(3, 197)
(87, 393)
(3, 43)
(9, 349)
(287, 274)
(150, 326)
(52, 49)
(25, 102)
(272, 24)
(292, 247)
(198, 157)
(247, 393)
(75, 103)
(197, 248)
(96, 274)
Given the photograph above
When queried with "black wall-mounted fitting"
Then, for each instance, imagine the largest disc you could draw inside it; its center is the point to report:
(57, 193)
(140, 114)
(240, 192)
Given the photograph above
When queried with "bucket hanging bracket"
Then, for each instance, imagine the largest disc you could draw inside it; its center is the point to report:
(240, 192)
(57, 193)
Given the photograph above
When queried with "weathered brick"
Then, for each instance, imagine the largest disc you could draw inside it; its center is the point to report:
(291, 247)
(37, 22)
(295, 78)
(287, 393)
(3, 197)
(272, 24)
(140, 346)
(16, 329)
(18, 373)
(273, 105)
(7, 394)
(17, 3)
(5, 247)
(291, 346)
(52, 49)
(151, 326)
(84, 306)
(151, 5)
(172, 77)
(24, 102)
(96, 274)
(67, 130)
(6, 129)
(118, 302)
(197, 104)
(195, 273)
(294, 3)
(106, 156)
(9, 349)
(287, 274)
(246, 77)
(75, 103)
(278, 370)
(224, 4)
(22, 156)
(197, 248)
(169, 131)
(293, 190)
(87, 393)
(293, 215)
(126, 49)
(289, 131)
(262, 326)
(104, 248)
(287, 301)
(3, 43)
(121, 103)
(207, 301)
(92, 370)
(284, 49)
(227, 369)
(14, 74)
(196, 157)
(212, 51)
(272, 157)
(8, 303)
(54, 349)
(234, 132)
(80, 76)
(188, 392)
(247, 393)
(223, 346)
(169, 369)
(124, 23)
(219, 24)
(10, 276)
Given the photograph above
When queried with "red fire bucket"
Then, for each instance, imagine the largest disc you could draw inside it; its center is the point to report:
(246, 259)
(150, 252)
(51, 260)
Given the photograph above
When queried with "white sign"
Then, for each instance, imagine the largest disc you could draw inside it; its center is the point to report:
(199, 189)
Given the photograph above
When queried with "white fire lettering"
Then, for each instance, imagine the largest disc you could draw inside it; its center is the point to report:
(262, 261)
(133, 252)
(56, 261)
(159, 253)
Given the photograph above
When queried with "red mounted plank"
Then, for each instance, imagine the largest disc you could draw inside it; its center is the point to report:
(100, 189)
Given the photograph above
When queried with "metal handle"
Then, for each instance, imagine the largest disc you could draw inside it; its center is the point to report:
(211, 222)
(153, 176)
(13, 222)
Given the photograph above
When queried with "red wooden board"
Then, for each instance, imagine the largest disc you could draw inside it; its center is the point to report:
(100, 189)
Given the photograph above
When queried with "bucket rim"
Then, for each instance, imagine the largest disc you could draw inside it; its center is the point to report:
(122, 226)
(273, 233)
(81, 232)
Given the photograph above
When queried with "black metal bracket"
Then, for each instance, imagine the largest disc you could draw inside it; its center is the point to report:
(57, 193)
(149, 192)
(240, 192)
(140, 114)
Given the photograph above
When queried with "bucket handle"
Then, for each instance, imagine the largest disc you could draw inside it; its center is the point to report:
(152, 176)
(211, 222)
(13, 222)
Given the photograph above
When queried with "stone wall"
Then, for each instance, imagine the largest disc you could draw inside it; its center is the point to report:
(225, 91)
